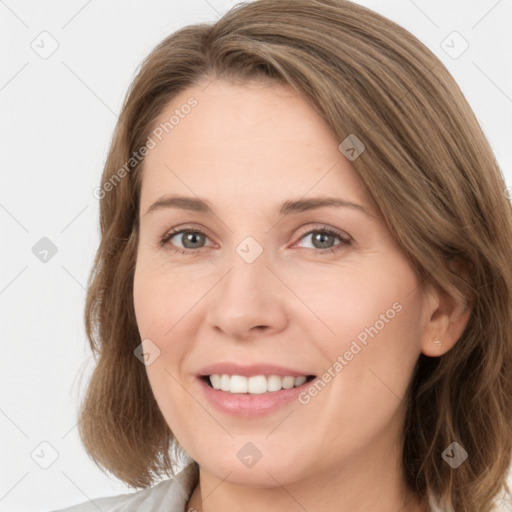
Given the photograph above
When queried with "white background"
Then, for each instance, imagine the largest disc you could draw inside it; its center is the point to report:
(57, 117)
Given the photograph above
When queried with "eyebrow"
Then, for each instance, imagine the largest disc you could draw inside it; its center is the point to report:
(286, 208)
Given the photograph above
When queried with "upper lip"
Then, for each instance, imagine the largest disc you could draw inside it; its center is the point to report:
(228, 368)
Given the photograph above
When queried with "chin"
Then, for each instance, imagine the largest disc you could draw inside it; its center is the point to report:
(268, 471)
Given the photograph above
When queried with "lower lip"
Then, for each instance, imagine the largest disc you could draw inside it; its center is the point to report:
(247, 405)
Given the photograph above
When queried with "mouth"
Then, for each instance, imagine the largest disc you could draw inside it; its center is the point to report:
(256, 384)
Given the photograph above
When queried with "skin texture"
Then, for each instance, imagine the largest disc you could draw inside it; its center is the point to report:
(246, 148)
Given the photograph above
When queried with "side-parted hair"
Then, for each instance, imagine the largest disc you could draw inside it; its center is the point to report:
(431, 172)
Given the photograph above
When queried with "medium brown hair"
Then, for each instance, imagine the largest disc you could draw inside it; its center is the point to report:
(428, 167)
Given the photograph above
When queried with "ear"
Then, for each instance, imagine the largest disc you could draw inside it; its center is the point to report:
(444, 317)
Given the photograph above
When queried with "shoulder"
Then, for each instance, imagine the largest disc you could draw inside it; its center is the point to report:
(169, 495)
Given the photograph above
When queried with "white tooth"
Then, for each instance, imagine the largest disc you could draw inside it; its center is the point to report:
(299, 380)
(257, 384)
(215, 381)
(224, 382)
(238, 384)
(288, 382)
(274, 383)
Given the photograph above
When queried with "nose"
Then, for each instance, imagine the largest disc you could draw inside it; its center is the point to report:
(249, 300)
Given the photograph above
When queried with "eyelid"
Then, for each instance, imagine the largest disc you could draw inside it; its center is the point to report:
(178, 230)
(302, 231)
(343, 235)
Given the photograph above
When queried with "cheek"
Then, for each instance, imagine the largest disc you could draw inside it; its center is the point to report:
(146, 303)
(160, 310)
(164, 315)
(373, 318)
(355, 304)
(160, 300)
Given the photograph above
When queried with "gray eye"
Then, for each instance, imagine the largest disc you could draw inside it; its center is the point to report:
(191, 239)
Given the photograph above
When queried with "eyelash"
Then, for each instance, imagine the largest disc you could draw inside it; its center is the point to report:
(324, 230)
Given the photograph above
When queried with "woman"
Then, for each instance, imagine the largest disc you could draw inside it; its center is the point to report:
(340, 336)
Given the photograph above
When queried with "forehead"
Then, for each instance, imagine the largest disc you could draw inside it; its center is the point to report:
(260, 139)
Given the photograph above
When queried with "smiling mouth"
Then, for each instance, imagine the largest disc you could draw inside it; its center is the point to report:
(259, 384)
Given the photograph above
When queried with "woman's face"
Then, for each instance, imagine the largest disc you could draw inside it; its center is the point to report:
(259, 286)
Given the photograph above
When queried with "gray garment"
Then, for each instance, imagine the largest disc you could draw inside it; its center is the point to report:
(169, 495)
